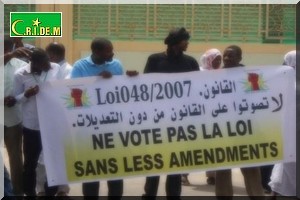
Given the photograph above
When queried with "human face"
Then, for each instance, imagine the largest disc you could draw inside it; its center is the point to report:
(104, 55)
(51, 56)
(183, 45)
(216, 63)
(40, 66)
(108, 53)
(230, 58)
(180, 47)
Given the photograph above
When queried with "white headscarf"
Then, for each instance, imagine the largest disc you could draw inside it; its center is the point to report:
(290, 59)
(207, 58)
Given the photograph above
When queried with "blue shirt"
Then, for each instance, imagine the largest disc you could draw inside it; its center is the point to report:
(86, 67)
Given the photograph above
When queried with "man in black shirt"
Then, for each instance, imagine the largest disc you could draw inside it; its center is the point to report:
(173, 60)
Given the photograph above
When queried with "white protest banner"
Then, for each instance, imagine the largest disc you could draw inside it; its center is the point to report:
(94, 128)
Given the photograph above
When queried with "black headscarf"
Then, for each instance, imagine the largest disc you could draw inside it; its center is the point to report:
(176, 36)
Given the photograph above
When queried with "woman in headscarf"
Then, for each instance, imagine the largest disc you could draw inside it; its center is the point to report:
(283, 178)
(290, 59)
(211, 59)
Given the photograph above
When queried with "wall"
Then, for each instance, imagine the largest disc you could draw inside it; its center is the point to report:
(134, 54)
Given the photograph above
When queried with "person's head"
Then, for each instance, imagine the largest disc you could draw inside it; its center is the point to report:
(39, 61)
(290, 59)
(232, 56)
(102, 50)
(177, 40)
(8, 44)
(211, 59)
(56, 52)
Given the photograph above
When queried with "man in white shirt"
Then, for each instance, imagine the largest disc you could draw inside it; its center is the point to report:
(13, 120)
(56, 54)
(26, 86)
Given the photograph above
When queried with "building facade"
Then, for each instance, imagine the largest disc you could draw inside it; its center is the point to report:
(264, 31)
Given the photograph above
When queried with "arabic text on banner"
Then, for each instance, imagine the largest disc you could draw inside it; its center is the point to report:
(166, 123)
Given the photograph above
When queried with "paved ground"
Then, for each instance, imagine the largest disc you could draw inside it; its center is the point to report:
(134, 186)
(198, 187)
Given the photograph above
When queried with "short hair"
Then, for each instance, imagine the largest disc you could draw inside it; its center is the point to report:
(100, 43)
(176, 35)
(57, 49)
(237, 49)
(39, 55)
(8, 43)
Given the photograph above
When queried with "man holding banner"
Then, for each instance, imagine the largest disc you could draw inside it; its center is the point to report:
(26, 86)
(231, 58)
(101, 62)
(210, 120)
(162, 123)
(173, 60)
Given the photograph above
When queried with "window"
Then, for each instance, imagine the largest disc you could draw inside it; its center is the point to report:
(206, 22)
